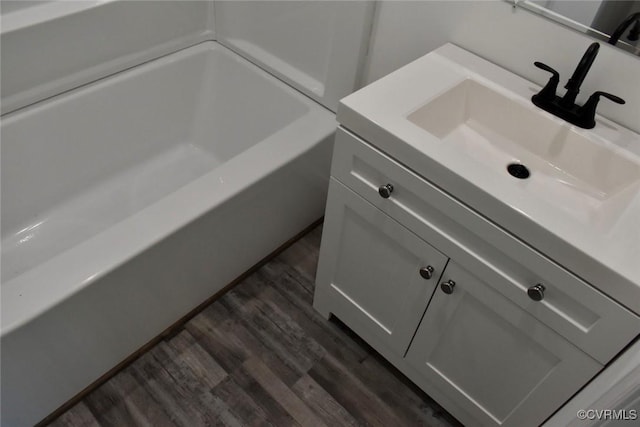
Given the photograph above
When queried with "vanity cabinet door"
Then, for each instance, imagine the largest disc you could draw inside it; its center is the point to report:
(494, 362)
(369, 272)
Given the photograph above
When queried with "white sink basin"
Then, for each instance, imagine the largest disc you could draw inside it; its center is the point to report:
(499, 131)
(459, 120)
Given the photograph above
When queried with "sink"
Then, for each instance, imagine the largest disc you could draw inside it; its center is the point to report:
(465, 124)
(498, 130)
(459, 121)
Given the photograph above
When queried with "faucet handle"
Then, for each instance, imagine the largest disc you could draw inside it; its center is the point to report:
(609, 96)
(548, 93)
(587, 112)
(545, 67)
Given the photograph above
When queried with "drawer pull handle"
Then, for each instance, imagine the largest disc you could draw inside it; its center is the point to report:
(536, 292)
(447, 287)
(426, 272)
(385, 190)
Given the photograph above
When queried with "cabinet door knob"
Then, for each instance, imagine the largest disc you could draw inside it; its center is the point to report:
(447, 287)
(426, 272)
(536, 292)
(385, 190)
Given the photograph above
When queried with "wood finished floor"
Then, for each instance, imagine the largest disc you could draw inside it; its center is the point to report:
(260, 355)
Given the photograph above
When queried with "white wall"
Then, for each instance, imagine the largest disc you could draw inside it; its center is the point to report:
(511, 38)
(51, 47)
(7, 6)
(315, 46)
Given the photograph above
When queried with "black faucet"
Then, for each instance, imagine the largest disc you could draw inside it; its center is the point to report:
(633, 33)
(565, 107)
(574, 83)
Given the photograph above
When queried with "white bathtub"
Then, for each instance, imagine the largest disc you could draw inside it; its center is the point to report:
(127, 202)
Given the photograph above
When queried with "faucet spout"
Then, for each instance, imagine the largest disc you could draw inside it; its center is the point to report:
(633, 33)
(574, 83)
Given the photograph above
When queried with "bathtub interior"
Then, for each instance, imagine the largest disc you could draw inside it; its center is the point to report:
(76, 164)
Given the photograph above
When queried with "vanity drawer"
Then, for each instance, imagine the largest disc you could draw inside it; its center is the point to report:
(574, 309)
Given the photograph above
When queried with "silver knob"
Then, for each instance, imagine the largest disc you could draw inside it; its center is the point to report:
(385, 190)
(426, 272)
(536, 292)
(447, 287)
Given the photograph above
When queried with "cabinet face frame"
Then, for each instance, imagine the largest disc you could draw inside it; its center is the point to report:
(368, 272)
(576, 327)
(571, 307)
(528, 370)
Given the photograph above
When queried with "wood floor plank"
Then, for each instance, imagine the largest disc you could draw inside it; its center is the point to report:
(218, 333)
(78, 416)
(411, 404)
(260, 356)
(224, 415)
(295, 337)
(187, 368)
(170, 393)
(282, 394)
(223, 333)
(218, 412)
(240, 404)
(322, 403)
(275, 413)
(302, 256)
(327, 334)
(123, 401)
(278, 268)
(273, 333)
(188, 357)
(352, 394)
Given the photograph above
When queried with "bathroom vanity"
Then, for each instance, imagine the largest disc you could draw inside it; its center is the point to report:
(499, 295)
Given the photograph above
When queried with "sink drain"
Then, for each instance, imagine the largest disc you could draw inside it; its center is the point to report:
(519, 171)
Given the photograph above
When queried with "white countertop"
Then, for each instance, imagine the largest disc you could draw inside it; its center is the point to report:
(600, 245)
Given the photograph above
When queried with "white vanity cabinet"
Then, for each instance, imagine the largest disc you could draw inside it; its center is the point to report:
(500, 363)
(380, 276)
(466, 329)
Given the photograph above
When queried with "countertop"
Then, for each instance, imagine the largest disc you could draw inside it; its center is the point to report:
(601, 246)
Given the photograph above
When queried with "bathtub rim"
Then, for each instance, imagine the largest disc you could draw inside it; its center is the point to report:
(23, 298)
